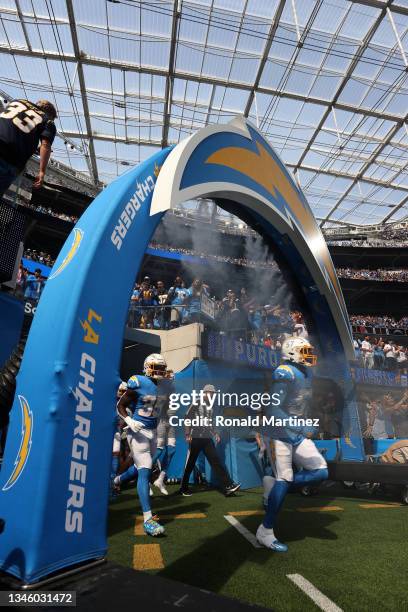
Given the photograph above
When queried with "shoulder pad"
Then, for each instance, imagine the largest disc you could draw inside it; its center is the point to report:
(284, 372)
(133, 382)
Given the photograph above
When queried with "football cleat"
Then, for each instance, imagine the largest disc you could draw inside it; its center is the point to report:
(153, 528)
(267, 538)
(159, 484)
(185, 492)
(234, 486)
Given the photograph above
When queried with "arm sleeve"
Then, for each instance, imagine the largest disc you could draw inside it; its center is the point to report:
(49, 132)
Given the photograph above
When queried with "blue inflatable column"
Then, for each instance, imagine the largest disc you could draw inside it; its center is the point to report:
(54, 479)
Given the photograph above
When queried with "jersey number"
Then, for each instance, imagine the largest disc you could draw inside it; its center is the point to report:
(24, 118)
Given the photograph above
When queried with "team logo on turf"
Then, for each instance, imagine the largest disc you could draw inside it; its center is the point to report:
(25, 445)
(76, 243)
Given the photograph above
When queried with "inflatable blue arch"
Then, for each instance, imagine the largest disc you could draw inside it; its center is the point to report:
(54, 478)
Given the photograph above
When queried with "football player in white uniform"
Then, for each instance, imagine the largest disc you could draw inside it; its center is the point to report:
(146, 397)
(292, 381)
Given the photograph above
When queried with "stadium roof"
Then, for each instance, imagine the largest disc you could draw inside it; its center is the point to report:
(325, 80)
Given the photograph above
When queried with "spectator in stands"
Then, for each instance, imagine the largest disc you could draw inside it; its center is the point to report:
(378, 422)
(146, 299)
(268, 342)
(247, 301)
(20, 281)
(299, 326)
(177, 298)
(34, 285)
(398, 412)
(402, 358)
(390, 352)
(378, 354)
(232, 318)
(192, 312)
(134, 311)
(23, 125)
(367, 351)
(162, 314)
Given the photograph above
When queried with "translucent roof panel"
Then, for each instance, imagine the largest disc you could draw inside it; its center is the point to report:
(325, 80)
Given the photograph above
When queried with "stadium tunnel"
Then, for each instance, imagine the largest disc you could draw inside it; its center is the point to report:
(63, 414)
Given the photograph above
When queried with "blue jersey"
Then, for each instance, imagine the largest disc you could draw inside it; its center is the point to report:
(178, 295)
(34, 287)
(151, 400)
(293, 384)
(193, 300)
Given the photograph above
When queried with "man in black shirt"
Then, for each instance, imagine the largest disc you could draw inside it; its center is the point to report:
(200, 438)
(23, 126)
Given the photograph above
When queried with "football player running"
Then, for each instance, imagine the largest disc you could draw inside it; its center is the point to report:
(146, 397)
(292, 381)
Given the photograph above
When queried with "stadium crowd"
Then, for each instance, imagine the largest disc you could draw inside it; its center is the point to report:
(377, 354)
(40, 256)
(400, 275)
(361, 322)
(51, 212)
(242, 316)
(370, 243)
(239, 261)
(377, 275)
(181, 305)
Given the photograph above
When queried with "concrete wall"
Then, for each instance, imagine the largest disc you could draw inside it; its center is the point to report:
(181, 345)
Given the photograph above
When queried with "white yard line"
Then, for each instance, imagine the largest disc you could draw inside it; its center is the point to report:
(243, 531)
(323, 602)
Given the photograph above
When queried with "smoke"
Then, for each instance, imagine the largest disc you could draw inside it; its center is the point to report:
(266, 280)
(263, 281)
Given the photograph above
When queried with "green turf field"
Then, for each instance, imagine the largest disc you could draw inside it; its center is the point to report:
(355, 556)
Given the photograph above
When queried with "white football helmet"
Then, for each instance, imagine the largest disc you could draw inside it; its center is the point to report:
(298, 350)
(121, 389)
(155, 366)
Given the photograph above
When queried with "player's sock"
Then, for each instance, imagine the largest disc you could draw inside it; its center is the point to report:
(275, 501)
(143, 489)
(308, 477)
(268, 482)
(147, 515)
(170, 451)
(130, 474)
(114, 465)
(158, 456)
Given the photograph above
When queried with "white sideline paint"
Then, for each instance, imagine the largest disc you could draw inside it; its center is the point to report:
(323, 602)
(243, 530)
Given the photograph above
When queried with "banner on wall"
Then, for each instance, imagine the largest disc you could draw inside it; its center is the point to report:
(219, 346)
(208, 307)
(379, 377)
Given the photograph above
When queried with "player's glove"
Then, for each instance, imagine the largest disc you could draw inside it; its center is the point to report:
(133, 425)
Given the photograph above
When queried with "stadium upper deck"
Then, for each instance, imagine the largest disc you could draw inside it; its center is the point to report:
(324, 81)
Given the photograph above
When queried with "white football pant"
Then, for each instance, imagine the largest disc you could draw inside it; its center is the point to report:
(305, 456)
